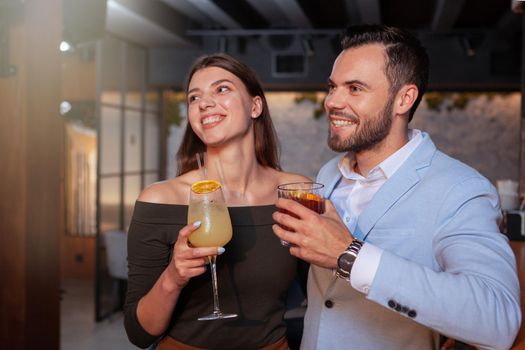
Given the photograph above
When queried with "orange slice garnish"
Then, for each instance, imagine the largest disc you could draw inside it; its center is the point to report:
(313, 197)
(205, 186)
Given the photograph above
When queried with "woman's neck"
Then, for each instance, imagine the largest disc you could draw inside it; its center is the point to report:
(235, 168)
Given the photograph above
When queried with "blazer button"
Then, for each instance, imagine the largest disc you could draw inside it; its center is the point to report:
(329, 304)
(398, 308)
(412, 313)
(392, 303)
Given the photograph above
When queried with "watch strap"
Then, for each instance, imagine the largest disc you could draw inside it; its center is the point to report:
(353, 249)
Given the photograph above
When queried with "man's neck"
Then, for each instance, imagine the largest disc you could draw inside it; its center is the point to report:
(368, 159)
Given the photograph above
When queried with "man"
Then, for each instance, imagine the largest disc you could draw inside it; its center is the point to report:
(409, 247)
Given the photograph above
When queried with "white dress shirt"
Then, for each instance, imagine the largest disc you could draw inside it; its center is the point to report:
(352, 195)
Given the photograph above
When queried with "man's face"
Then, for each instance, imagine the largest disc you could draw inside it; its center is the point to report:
(358, 104)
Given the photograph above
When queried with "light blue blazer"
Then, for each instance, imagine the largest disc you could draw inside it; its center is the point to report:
(445, 269)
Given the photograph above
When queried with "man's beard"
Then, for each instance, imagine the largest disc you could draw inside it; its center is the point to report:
(368, 133)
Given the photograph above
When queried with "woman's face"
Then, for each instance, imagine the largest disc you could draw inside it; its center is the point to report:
(219, 106)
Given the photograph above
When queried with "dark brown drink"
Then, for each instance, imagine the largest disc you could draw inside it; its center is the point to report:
(312, 201)
(306, 193)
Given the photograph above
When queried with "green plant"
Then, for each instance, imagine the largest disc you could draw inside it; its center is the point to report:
(174, 102)
(435, 100)
(459, 100)
(315, 98)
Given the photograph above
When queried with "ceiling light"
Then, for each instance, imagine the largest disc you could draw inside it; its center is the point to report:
(65, 107)
(65, 47)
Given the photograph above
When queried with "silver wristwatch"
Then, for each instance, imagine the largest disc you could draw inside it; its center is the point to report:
(345, 262)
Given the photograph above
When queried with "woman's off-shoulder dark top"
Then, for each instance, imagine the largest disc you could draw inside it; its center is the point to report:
(253, 274)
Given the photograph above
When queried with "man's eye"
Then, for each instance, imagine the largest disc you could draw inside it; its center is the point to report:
(331, 88)
(354, 88)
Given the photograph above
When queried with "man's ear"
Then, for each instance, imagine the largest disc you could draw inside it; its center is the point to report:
(256, 107)
(406, 97)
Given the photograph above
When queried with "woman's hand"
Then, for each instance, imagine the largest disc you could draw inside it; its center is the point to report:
(155, 309)
(188, 262)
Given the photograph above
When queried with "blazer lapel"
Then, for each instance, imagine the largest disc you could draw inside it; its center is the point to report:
(334, 180)
(394, 188)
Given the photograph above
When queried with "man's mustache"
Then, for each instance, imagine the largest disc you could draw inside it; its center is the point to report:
(344, 115)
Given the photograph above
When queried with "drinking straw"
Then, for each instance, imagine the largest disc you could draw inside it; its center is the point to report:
(202, 171)
(205, 164)
(222, 179)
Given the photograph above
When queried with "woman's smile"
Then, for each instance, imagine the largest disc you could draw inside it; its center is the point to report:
(209, 121)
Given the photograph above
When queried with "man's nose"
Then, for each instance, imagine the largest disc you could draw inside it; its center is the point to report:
(335, 100)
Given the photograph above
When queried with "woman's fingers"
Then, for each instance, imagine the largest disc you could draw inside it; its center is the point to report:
(189, 272)
(182, 241)
(190, 261)
(187, 230)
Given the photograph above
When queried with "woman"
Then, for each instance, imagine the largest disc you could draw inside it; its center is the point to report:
(168, 289)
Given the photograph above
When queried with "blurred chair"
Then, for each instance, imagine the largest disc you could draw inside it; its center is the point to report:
(117, 263)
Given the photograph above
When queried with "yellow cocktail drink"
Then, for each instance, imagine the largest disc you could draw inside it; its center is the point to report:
(216, 227)
(207, 205)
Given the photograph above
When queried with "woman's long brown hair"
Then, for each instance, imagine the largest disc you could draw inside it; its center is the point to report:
(266, 143)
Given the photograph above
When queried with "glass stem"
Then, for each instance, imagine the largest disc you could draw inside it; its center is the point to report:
(213, 266)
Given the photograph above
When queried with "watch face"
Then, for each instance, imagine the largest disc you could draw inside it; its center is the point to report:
(346, 261)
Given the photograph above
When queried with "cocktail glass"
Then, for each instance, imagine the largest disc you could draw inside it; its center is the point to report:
(208, 206)
(308, 194)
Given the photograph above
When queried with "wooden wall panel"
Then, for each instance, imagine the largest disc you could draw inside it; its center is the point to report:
(31, 211)
(13, 205)
(79, 77)
(77, 257)
(44, 144)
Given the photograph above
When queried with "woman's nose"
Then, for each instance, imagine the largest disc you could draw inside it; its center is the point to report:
(206, 102)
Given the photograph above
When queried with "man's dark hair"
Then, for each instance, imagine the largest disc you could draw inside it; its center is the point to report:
(407, 60)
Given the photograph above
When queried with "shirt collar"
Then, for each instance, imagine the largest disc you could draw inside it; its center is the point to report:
(387, 167)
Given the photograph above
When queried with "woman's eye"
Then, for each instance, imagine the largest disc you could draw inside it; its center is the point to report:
(223, 88)
(192, 98)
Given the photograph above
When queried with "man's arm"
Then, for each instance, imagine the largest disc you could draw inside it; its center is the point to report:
(475, 295)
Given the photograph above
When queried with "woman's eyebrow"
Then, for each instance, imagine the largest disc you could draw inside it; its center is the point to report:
(215, 83)
(220, 81)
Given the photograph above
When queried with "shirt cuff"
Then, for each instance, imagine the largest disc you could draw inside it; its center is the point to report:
(365, 267)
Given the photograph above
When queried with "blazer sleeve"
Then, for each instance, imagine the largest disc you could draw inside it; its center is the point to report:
(474, 295)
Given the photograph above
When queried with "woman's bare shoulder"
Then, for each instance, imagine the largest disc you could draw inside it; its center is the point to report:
(286, 177)
(172, 191)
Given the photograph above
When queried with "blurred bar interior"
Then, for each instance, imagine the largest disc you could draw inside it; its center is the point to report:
(92, 112)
